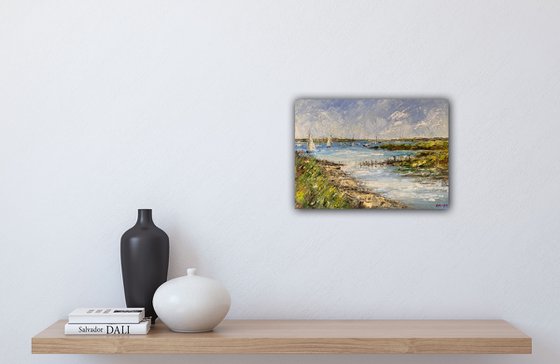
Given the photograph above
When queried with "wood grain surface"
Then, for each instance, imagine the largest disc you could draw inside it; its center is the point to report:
(302, 337)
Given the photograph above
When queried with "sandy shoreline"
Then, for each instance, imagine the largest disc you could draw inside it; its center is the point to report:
(354, 190)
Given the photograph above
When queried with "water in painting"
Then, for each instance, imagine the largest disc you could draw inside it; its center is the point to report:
(371, 153)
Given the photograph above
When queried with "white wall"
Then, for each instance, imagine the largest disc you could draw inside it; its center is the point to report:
(186, 107)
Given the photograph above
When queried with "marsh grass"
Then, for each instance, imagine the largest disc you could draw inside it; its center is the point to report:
(433, 144)
(431, 159)
(313, 188)
(432, 164)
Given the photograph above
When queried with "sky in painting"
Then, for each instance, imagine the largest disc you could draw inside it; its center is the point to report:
(371, 118)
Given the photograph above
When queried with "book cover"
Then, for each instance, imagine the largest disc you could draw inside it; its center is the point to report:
(140, 328)
(106, 316)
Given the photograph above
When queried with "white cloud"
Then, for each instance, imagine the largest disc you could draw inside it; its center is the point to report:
(370, 118)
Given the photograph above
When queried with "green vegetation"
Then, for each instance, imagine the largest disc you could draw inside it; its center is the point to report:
(313, 188)
(431, 160)
(432, 144)
(434, 164)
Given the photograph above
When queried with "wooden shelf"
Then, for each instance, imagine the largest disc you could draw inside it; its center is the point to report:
(302, 337)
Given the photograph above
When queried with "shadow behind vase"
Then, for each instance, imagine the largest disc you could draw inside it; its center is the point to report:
(144, 262)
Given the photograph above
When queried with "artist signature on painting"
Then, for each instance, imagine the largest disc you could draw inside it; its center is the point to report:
(442, 205)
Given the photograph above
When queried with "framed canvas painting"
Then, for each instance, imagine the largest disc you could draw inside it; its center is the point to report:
(376, 153)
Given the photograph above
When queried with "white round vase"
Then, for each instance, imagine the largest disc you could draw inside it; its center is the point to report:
(191, 303)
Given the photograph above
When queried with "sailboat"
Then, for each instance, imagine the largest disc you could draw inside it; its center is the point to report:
(310, 144)
(329, 142)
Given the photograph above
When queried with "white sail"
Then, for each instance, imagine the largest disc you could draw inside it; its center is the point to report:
(329, 142)
(310, 144)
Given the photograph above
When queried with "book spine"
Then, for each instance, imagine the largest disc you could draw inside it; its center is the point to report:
(106, 329)
(108, 319)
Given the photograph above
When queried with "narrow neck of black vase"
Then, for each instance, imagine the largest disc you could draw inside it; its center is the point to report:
(145, 217)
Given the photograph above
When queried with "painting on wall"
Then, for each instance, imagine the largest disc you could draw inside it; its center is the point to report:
(377, 153)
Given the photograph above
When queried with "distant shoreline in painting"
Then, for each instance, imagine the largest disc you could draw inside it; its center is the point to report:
(372, 153)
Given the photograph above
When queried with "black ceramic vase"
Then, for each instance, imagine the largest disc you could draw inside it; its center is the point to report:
(144, 262)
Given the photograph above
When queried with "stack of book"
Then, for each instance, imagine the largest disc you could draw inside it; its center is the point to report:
(107, 321)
